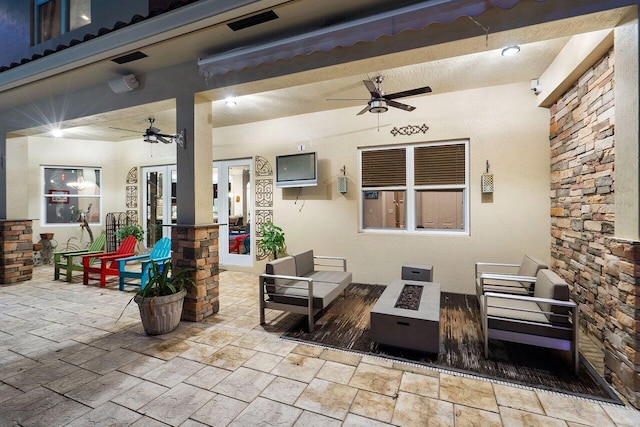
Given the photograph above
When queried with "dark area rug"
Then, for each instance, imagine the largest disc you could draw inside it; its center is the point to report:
(345, 325)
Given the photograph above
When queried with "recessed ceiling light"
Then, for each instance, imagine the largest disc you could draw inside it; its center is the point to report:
(56, 133)
(510, 51)
(231, 102)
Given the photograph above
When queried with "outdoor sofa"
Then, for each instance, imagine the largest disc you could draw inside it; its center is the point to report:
(302, 283)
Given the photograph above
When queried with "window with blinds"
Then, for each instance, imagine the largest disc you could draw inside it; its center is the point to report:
(384, 168)
(434, 200)
(439, 165)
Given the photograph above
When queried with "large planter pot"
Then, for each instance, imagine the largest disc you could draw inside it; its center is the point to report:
(161, 315)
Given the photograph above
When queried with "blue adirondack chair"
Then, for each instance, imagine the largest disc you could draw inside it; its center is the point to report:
(160, 253)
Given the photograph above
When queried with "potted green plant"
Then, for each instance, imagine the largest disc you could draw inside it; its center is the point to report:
(272, 239)
(160, 302)
(134, 230)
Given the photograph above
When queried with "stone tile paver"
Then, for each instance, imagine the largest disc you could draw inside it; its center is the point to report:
(284, 390)
(336, 372)
(466, 416)
(468, 391)
(178, 404)
(570, 409)
(420, 384)
(327, 398)
(264, 412)
(173, 372)
(244, 384)
(373, 405)
(413, 410)
(138, 396)
(103, 389)
(108, 414)
(375, 378)
(516, 418)
(298, 367)
(311, 419)
(263, 361)
(219, 411)
(230, 357)
(518, 398)
(207, 377)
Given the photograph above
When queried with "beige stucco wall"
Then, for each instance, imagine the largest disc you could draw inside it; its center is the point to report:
(503, 125)
(115, 159)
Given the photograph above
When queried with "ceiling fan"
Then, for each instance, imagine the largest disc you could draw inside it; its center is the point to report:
(152, 135)
(380, 101)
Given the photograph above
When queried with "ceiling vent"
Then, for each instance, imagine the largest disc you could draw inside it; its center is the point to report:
(129, 57)
(253, 20)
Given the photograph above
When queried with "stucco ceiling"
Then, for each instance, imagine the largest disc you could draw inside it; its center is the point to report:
(466, 64)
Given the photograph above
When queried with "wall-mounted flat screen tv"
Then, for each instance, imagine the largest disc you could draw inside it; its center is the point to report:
(297, 170)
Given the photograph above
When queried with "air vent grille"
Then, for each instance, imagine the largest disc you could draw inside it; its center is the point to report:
(253, 20)
(129, 57)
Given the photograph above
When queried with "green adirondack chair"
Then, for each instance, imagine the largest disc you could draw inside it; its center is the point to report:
(64, 260)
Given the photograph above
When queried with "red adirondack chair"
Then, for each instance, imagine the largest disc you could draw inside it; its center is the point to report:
(107, 264)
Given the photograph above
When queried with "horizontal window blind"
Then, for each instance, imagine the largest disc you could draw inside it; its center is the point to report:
(439, 165)
(384, 168)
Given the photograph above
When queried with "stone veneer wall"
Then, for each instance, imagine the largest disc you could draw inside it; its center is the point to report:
(16, 251)
(602, 271)
(197, 247)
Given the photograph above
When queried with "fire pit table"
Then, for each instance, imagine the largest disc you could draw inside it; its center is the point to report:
(407, 315)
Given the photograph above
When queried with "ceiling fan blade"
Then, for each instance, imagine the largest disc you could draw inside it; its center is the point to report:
(411, 92)
(371, 87)
(364, 110)
(128, 130)
(400, 105)
(347, 99)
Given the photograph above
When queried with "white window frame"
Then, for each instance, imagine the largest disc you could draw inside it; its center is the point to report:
(410, 191)
(44, 196)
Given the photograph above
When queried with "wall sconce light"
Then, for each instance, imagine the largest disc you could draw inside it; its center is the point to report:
(486, 181)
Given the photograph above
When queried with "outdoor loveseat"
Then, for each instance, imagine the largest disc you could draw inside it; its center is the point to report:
(302, 283)
(546, 319)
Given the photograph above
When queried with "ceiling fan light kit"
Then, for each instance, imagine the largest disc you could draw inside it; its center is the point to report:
(380, 101)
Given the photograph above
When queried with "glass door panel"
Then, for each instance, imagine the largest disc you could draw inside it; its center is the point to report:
(160, 208)
(232, 207)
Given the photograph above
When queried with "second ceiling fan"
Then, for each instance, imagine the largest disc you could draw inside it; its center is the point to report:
(380, 101)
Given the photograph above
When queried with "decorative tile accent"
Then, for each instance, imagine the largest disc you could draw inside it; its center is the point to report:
(263, 167)
(264, 193)
(262, 217)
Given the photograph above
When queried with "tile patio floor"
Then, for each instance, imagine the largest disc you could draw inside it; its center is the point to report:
(64, 361)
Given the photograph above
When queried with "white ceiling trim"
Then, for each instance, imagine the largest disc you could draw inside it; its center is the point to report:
(347, 34)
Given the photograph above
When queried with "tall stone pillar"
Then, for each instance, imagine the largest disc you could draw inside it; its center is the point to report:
(16, 251)
(194, 238)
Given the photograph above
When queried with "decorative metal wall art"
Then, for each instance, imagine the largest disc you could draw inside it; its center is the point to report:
(409, 130)
(132, 196)
(263, 167)
(262, 217)
(264, 193)
(132, 176)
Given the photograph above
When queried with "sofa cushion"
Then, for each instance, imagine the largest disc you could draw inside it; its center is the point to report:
(283, 266)
(530, 266)
(304, 262)
(550, 285)
(296, 293)
(341, 278)
(502, 316)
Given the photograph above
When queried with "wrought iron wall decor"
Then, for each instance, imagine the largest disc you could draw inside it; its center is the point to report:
(262, 217)
(264, 193)
(263, 167)
(132, 176)
(132, 196)
(409, 130)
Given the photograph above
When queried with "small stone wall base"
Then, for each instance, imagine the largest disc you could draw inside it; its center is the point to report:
(196, 246)
(16, 251)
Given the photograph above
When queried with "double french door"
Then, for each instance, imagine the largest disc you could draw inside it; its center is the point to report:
(232, 207)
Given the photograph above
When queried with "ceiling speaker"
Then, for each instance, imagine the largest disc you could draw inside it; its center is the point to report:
(124, 83)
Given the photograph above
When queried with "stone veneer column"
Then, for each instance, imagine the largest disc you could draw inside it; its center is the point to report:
(603, 271)
(16, 251)
(196, 246)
